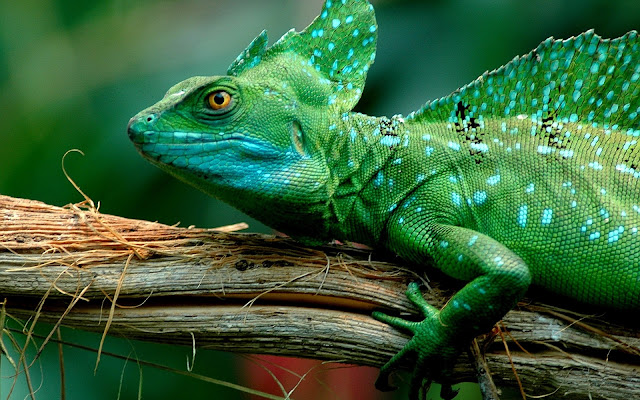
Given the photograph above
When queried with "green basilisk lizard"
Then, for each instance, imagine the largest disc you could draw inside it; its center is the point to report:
(528, 175)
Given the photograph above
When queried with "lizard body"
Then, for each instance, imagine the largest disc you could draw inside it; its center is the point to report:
(528, 175)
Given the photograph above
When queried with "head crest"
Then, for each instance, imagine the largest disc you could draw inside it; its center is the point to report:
(337, 48)
(251, 56)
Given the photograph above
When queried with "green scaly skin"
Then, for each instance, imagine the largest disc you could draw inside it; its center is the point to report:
(528, 175)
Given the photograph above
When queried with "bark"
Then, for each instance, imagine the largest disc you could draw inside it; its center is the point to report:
(254, 293)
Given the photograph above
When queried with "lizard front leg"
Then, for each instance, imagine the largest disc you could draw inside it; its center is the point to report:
(497, 277)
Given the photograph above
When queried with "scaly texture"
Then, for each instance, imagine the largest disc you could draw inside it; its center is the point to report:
(527, 175)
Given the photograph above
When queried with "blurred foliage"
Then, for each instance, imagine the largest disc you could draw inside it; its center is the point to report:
(73, 72)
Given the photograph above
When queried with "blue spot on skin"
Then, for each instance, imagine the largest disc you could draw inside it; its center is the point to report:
(545, 149)
(389, 141)
(594, 235)
(530, 188)
(614, 235)
(401, 221)
(480, 197)
(393, 207)
(566, 153)
(444, 244)
(481, 147)
(349, 19)
(331, 46)
(522, 215)
(456, 199)
(428, 151)
(595, 165)
(353, 134)
(493, 180)
(547, 215)
(350, 54)
(473, 240)
(498, 261)
(454, 146)
(576, 96)
(356, 32)
(379, 179)
(335, 23)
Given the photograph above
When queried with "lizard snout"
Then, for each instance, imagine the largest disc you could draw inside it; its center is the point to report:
(140, 124)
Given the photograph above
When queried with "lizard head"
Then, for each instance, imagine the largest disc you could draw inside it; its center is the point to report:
(259, 133)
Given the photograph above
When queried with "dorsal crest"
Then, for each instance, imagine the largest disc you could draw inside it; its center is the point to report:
(337, 49)
(583, 79)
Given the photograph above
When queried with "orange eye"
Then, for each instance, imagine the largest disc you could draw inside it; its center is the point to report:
(219, 100)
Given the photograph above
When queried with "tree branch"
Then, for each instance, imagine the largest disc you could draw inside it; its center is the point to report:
(260, 294)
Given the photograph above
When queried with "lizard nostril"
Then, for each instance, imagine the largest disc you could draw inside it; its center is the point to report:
(140, 124)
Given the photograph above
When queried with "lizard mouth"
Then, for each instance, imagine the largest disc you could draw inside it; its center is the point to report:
(161, 145)
(157, 145)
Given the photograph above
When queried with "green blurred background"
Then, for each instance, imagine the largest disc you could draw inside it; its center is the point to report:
(73, 72)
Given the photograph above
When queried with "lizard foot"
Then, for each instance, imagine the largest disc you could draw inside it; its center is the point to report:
(432, 344)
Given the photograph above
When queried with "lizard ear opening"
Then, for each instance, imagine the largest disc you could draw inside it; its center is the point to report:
(297, 136)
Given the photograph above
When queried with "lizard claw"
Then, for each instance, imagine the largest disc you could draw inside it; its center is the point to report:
(382, 383)
(447, 392)
(430, 343)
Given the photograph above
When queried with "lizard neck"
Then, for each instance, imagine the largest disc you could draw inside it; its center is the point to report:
(366, 157)
(381, 165)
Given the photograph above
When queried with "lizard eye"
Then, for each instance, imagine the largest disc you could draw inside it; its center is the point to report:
(219, 100)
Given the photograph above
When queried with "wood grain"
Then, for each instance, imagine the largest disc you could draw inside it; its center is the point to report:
(261, 294)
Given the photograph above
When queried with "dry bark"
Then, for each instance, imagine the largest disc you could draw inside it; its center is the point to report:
(260, 294)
